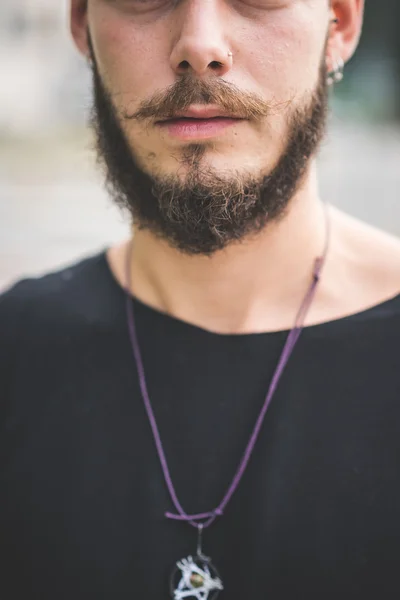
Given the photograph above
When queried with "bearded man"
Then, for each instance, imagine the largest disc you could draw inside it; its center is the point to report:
(210, 409)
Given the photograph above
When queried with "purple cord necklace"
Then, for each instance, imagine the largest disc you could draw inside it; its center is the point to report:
(197, 577)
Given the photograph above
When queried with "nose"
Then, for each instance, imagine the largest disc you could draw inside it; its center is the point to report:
(201, 47)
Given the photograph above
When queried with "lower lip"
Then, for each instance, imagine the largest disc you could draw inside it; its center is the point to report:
(188, 129)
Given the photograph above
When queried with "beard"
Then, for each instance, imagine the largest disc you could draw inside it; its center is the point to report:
(207, 210)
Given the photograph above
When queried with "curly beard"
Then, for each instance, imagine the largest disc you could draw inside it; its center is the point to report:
(208, 210)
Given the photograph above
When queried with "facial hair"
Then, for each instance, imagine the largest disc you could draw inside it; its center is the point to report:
(207, 210)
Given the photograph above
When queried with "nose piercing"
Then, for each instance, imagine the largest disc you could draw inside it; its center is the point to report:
(230, 54)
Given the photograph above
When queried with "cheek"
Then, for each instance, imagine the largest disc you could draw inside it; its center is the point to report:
(286, 57)
(126, 57)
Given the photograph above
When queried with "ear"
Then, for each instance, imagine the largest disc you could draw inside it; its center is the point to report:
(345, 34)
(79, 25)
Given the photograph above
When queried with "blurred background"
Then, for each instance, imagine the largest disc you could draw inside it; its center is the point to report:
(53, 208)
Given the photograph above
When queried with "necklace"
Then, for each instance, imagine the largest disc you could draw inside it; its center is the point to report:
(195, 576)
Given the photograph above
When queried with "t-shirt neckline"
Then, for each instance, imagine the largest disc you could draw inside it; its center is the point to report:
(176, 321)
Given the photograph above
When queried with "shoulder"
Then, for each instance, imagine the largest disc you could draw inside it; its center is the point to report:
(50, 296)
(50, 320)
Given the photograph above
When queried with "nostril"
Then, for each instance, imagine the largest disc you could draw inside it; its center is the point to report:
(184, 64)
(215, 64)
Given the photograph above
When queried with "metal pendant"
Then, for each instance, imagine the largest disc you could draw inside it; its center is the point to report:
(195, 578)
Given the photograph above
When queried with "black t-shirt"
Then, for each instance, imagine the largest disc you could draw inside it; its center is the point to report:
(317, 513)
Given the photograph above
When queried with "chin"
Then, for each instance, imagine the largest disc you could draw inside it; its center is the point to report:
(222, 161)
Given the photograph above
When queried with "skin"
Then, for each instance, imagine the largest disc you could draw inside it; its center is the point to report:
(277, 47)
(140, 51)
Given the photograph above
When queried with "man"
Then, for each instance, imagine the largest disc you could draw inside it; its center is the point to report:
(159, 439)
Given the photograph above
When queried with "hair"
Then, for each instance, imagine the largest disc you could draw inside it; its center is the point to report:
(207, 210)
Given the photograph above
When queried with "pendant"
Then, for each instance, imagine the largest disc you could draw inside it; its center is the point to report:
(195, 578)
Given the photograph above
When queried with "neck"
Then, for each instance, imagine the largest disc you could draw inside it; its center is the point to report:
(253, 286)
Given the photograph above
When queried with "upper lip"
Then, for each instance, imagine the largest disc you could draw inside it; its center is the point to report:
(203, 112)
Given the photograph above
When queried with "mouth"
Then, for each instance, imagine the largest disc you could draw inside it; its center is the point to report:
(199, 122)
(189, 129)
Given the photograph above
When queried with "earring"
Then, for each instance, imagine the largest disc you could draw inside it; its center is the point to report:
(336, 75)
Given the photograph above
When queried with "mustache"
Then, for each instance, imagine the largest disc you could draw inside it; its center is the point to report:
(188, 91)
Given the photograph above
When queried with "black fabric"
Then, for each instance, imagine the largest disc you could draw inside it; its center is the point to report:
(317, 514)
